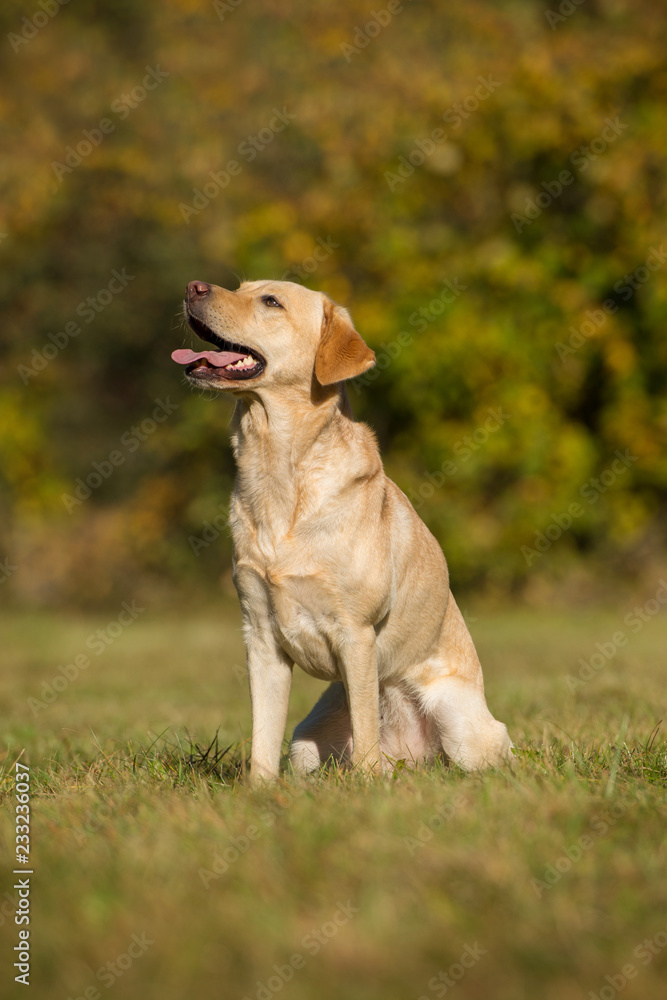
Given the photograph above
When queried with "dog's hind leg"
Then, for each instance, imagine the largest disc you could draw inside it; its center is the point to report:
(325, 733)
(450, 691)
(469, 734)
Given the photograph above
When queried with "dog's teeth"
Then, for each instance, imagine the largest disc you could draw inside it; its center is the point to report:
(245, 362)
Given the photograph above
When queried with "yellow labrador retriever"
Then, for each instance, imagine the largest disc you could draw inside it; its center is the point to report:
(334, 569)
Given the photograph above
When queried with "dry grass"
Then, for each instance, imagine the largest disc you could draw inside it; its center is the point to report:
(544, 877)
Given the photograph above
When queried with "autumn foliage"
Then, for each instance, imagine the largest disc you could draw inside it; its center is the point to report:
(481, 184)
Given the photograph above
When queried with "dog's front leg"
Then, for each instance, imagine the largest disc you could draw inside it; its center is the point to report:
(270, 678)
(358, 667)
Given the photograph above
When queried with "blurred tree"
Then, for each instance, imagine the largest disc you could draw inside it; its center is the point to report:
(482, 186)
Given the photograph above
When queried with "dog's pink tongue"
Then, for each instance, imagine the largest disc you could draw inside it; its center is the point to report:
(217, 358)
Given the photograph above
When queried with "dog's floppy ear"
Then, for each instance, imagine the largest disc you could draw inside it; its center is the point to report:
(342, 352)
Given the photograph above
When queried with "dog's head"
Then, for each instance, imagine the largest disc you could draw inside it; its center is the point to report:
(270, 334)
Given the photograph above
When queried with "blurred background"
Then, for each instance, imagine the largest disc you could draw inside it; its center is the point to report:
(482, 185)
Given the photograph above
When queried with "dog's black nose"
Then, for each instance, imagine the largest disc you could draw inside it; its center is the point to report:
(197, 289)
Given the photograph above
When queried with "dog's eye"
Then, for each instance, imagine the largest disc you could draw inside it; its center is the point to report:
(271, 300)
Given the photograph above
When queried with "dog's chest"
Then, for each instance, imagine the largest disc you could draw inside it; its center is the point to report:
(302, 625)
(298, 597)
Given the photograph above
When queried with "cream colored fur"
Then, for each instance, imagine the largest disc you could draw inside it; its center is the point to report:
(334, 569)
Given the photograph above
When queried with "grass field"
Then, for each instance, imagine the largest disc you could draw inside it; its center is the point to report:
(159, 874)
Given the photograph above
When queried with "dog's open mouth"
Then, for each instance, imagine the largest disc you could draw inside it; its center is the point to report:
(231, 361)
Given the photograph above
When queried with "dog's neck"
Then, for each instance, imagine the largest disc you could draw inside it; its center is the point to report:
(275, 433)
(285, 448)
